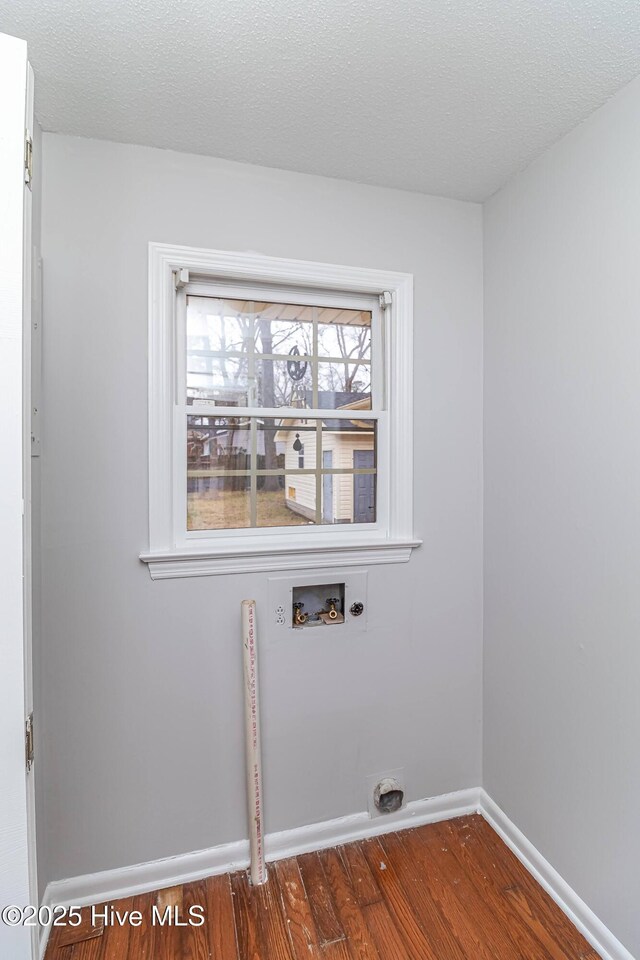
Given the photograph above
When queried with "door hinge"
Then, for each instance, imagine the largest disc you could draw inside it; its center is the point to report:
(28, 159)
(28, 741)
(385, 299)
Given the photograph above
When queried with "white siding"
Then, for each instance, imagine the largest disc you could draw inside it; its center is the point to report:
(303, 484)
(342, 446)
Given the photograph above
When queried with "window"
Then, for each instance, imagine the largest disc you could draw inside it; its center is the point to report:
(248, 357)
(279, 413)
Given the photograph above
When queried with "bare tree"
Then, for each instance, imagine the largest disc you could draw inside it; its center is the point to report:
(268, 399)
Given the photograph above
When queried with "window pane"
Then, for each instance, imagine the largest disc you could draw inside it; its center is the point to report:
(334, 493)
(218, 325)
(288, 498)
(286, 444)
(217, 444)
(284, 383)
(271, 472)
(289, 383)
(225, 380)
(257, 353)
(281, 327)
(347, 496)
(273, 500)
(219, 344)
(218, 503)
(344, 333)
(284, 327)
(344, 384)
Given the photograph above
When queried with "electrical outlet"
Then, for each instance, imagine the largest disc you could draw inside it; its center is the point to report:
(280, 617)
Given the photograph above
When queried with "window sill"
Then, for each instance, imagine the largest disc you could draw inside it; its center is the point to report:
(170, 564)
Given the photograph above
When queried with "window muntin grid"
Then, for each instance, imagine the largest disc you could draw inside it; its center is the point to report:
(250, 353)
(245, 355)
(245, 472)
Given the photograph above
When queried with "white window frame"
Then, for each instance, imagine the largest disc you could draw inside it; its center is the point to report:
(174, 553)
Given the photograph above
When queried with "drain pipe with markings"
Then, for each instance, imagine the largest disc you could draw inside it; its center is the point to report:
(258, 869)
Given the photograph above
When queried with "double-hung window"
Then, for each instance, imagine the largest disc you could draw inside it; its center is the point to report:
(279, 413)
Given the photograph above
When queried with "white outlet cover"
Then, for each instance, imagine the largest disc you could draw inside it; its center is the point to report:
(372, 782)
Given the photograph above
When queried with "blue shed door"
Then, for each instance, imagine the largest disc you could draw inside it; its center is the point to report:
(327, 487)
(364, 506)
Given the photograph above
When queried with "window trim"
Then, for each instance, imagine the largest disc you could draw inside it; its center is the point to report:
(268, 551)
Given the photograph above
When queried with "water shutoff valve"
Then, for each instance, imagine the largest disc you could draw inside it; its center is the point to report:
(299, 618)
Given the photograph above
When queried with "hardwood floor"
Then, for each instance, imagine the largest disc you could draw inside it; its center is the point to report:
(448, 891)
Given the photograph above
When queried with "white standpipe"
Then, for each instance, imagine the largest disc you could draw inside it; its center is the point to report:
(252, 729)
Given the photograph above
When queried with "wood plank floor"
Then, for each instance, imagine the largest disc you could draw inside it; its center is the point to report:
(448, 891)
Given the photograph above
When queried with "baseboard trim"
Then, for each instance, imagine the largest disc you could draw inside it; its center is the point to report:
(142, 877)
(582, 917)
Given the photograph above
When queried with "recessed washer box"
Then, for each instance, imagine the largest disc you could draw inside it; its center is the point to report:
(348, 587)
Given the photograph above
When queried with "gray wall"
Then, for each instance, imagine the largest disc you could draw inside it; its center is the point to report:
(142, 700)
(562, 508)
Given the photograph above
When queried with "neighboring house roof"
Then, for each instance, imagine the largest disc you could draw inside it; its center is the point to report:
(338, 400)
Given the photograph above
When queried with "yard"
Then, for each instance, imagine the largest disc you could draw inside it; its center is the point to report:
(229, 509)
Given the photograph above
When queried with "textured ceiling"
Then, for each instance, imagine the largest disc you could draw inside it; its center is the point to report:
(448, 97)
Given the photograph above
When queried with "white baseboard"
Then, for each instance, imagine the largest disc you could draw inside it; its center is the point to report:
(143, 877)
(582, 917)
(111, 885)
